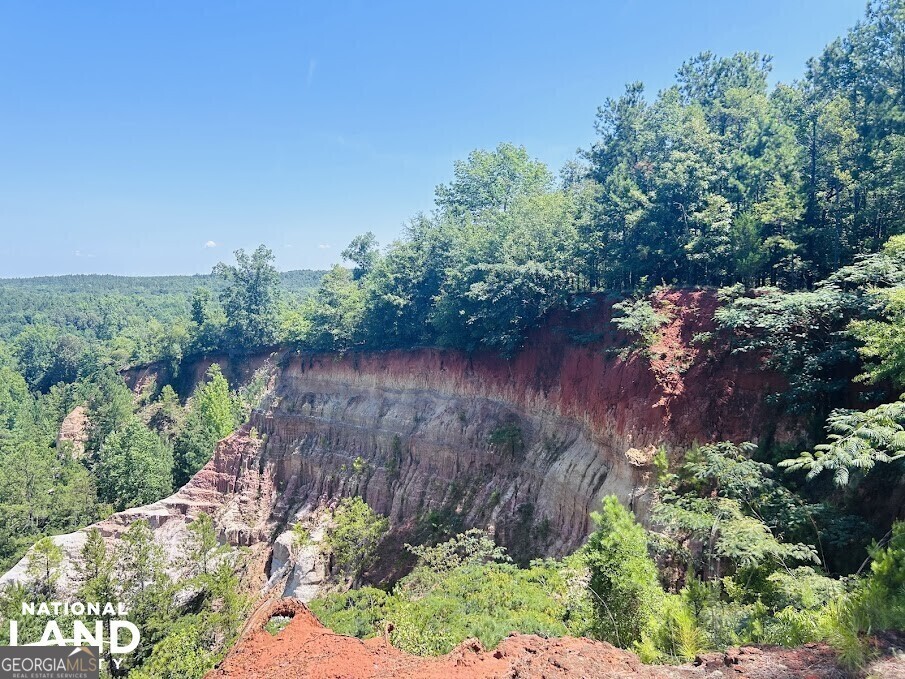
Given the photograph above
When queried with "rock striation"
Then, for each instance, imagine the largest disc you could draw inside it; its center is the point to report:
(526, 447)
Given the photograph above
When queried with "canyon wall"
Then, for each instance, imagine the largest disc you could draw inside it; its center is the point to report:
(440, 440)
(528, 445)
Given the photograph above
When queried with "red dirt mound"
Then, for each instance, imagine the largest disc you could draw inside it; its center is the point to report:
(305, 648)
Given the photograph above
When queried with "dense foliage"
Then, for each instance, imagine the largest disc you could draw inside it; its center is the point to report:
(354, 535)
(718, 179)
(462, 588)
(64, 327)
(49, 487)
(740, 580)
(622, 576)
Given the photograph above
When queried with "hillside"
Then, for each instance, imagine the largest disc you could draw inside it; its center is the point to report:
(424, 424)
(641, 415)
(63, 328)
(298, 280)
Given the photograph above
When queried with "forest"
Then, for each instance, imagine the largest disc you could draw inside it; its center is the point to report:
(787, 200)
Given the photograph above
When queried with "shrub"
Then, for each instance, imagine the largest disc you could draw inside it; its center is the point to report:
(623, 577)
(354, 536)
(358, 613)
(638, 317)
(182, 654)
(301, 536)
(674, 635)
(459, 590)
(507, 439)
(485, 601)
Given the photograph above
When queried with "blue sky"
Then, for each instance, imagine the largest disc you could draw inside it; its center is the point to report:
(156, 137)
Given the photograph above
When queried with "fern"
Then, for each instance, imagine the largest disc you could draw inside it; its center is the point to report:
(856, 442)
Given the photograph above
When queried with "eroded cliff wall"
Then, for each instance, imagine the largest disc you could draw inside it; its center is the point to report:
(527, 446)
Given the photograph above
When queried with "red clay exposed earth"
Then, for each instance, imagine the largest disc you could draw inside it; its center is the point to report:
(305, 648)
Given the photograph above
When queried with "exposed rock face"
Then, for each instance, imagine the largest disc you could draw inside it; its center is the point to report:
(212, 490)
(236, 369)
(527, 447)
(300, 570)
(74, 430)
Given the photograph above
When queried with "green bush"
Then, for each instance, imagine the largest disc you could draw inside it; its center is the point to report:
(483, 601)
(638, 318)
(507, 439)
(357, 613)
(463, 589)
(353, 537)
(672, 636)
(182, 654)
(623, 577)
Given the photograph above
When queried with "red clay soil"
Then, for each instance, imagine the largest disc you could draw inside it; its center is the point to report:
(679, 391)
(305, 648)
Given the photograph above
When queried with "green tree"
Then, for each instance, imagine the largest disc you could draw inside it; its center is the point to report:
(883, 338)
(492, 180)
(398, 295)
(208, 322)
(856, 442)
(737, 516)
(623, 578)
(75, 495)
(215, 403)
(34, 350)
(883, 341)
(140, 560)
(13, 396)
(96, 570)
(44, 563)
(249, 298)
(166, 414)
(493, 305)
(799, 334)
(144, 584)
(202, 541)
(335, 312)
(26, 481)
(93, 555)
(134, 467)
(364, 252)
(352, 539)
(110, 407)
(212, 415)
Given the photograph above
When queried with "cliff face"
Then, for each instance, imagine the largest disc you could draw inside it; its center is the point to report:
(527, 447)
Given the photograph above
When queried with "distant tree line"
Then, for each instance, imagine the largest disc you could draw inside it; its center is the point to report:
(61, 328)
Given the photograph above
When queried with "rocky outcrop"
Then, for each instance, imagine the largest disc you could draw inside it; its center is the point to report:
(74, 432)
(526, 447)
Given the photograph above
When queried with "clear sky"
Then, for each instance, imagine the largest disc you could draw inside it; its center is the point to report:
(153, 137)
